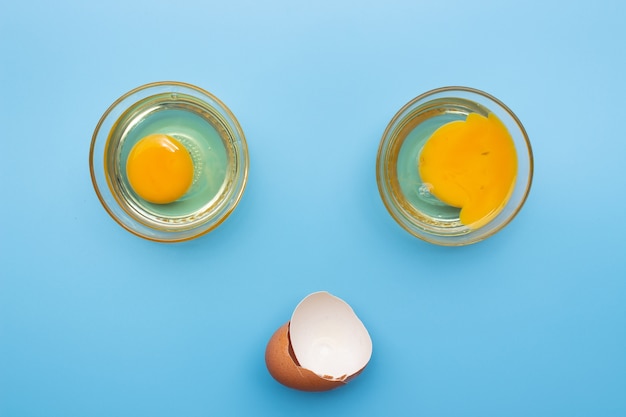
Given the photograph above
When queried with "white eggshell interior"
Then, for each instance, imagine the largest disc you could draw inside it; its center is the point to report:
(328, 338)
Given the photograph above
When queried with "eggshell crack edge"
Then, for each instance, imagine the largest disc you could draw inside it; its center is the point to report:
(284, 368)
(311, 315)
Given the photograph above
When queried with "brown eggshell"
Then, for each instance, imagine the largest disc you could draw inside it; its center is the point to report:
(284, 368)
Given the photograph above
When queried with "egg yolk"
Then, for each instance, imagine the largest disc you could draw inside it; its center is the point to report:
(471, 164)
(159, 169)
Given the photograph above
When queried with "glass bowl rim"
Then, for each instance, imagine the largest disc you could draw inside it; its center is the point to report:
(164, 236)
(387, 195)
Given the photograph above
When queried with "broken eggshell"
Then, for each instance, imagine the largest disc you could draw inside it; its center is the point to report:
(322, 347)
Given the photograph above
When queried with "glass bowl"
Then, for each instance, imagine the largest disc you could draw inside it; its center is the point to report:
(409, 199)
(209, 132)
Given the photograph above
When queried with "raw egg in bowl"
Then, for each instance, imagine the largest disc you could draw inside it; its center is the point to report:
(169, 161)
(454, 166)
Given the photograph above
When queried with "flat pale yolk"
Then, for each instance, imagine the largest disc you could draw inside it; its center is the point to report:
(471, 164)
(159, 169)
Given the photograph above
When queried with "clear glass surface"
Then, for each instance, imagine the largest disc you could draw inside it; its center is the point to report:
(207, 129)
(408, 199)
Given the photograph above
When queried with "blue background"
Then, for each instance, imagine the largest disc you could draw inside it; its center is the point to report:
(97, 322)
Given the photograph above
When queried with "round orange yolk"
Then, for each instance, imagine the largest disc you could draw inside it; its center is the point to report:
(471, 164)
(159, 169)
